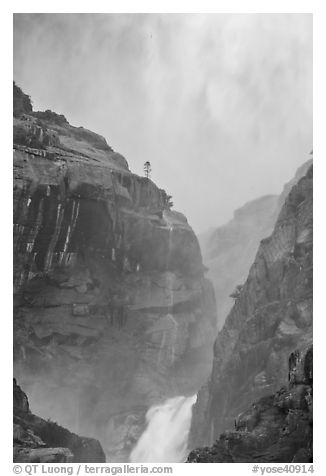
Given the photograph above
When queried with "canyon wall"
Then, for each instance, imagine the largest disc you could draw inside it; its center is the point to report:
(272, 315)
(229, 251)
(275, 429)
(112, 311)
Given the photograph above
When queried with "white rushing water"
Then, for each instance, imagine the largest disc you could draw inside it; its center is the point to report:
(166, 435)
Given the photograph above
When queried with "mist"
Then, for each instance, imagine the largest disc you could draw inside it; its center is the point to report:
(220, 104)
(166, 435)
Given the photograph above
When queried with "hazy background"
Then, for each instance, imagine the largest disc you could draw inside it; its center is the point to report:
(221, 105)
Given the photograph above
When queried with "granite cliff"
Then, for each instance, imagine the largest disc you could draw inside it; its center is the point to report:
(112, 312)
(271, 317)
(229, 251)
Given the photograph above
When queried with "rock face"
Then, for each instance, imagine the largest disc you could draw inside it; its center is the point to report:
(272, 315)
(276, 429)
(112, 311)
(229, 250)
(40, 441)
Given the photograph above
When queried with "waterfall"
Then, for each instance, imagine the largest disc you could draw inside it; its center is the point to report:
(166, 435)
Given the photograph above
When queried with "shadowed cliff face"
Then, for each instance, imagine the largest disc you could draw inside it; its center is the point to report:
(276, 429)
(229, 250)
(112, 311)
(271, 316)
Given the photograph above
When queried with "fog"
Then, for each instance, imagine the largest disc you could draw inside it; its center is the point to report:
(221, 105)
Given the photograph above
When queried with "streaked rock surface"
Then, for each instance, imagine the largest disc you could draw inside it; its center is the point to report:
(112, 310)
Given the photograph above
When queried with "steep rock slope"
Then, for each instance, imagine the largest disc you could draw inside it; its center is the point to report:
(112, 312)
(271, 316)
(40, 441)
(276, 429)
(229, 250)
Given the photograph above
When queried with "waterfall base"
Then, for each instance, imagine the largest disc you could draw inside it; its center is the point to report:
(166, 435)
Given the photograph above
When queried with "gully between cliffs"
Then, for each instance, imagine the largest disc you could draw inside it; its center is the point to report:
(115, 321)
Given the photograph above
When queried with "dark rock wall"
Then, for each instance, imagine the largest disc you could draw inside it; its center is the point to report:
(112, 310)
(271, 316)
(276, 429)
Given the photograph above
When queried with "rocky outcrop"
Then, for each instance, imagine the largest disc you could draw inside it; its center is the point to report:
(112, 310)
(22, 102)
(272, 315)
(229, 250)
(40, 441)
(276, 429)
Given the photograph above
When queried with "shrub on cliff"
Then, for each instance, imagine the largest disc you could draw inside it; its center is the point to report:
(237, 292)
